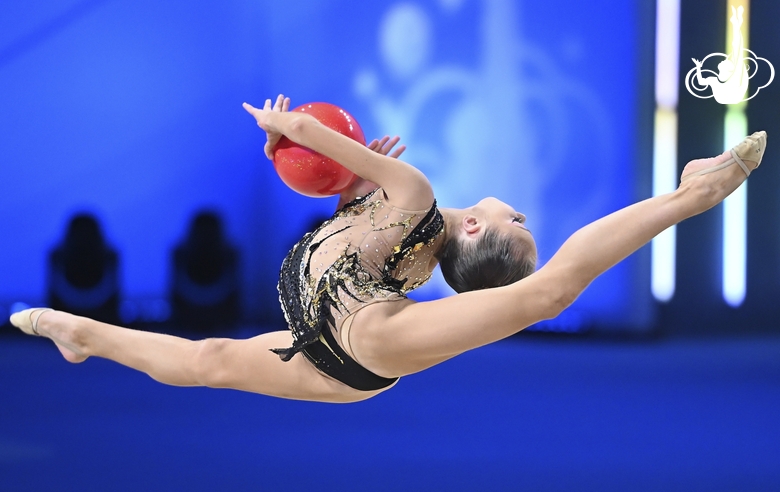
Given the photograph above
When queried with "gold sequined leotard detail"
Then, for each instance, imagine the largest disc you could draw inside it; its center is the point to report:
(369, 251)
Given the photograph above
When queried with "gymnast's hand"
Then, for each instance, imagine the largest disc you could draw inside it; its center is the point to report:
(385, 145)
(362, 186)
(272, 134)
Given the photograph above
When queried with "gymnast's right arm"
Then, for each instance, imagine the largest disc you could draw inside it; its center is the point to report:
(405, 186)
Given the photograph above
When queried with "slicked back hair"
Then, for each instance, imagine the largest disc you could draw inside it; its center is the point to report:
(493, 260)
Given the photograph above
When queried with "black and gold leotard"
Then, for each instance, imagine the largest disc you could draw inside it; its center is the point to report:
(368, 252)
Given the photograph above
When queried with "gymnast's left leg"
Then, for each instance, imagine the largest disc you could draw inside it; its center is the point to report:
(246, 365)
(417, 336)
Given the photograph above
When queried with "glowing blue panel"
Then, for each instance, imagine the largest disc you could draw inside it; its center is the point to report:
(132, 110)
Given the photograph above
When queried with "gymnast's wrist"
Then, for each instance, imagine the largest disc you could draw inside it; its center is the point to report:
(294, 125)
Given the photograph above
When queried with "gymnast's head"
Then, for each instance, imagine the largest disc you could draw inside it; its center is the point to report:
(486, 246)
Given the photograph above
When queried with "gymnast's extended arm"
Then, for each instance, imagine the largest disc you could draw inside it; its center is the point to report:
(405, 186)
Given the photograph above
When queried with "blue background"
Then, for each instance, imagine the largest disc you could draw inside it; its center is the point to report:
(132, 110)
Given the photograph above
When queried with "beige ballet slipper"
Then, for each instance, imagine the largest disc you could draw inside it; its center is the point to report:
(27, 320)
(750, 149)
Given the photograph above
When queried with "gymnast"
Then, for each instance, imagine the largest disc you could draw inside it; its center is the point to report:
(353, 332)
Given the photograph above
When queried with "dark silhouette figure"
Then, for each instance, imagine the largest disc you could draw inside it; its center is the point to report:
(205, 292)
(83, 272)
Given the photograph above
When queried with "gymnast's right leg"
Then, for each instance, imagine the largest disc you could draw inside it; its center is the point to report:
(246, 365)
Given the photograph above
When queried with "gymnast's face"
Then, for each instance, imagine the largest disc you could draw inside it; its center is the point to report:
(493, 213)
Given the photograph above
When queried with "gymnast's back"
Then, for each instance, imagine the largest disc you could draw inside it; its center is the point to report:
(369, 251)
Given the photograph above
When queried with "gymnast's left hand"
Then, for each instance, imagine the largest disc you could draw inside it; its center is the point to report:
(265, 121)
(385, 146)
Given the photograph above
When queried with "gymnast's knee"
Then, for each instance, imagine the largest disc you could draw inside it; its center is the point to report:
(559, 299)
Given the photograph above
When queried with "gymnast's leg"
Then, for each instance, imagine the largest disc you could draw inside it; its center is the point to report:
(246, 365)
(418, 336)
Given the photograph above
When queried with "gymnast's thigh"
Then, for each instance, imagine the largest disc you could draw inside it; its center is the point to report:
(399, 338)
(249, 365)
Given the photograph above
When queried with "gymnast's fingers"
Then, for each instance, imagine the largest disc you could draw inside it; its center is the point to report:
(381, 144)
(279, 102)
(252, 110)
(397, 153)
(390, 144)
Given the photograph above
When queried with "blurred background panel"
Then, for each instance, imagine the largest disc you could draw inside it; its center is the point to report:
(141, 108)
(132, 111)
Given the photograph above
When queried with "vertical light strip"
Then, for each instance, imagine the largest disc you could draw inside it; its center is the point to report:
(735, 220)
(663, 249)
(667, 54)
(735, 127)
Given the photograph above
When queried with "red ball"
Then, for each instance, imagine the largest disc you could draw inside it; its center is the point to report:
(308, 172)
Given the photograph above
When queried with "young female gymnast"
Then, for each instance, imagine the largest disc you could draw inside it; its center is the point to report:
(342, 287)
